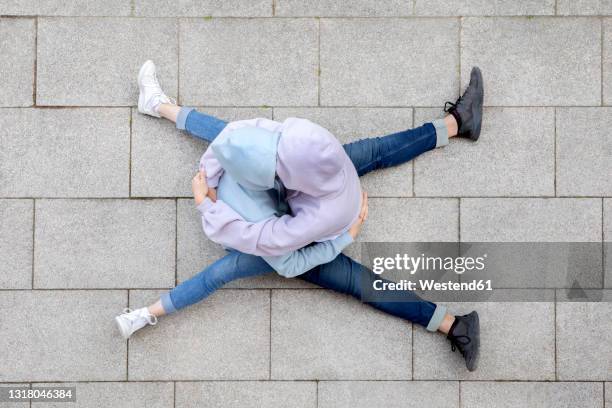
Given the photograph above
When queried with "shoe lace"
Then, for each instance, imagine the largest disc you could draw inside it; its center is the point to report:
(152, 319)
(156, 84)
(449, 106)
(456, 343)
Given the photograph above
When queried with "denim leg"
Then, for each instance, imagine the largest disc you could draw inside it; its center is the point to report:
(397, 148)
(232, 266)
(200, 125)
(344, 275)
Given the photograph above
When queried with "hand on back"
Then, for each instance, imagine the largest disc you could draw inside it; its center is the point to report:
(199, 187)
(363, 215)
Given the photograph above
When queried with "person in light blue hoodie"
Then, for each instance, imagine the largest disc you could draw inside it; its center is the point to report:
(249, 186)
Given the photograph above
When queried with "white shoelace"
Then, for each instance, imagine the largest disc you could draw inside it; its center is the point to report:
(151, 319)
(158, 92)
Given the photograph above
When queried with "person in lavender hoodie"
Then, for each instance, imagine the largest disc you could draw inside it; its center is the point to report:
(286, 197)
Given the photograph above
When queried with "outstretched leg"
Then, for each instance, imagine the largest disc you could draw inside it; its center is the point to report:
(232, 266)
(235, 265)
(198, 124)
(154, 102)
(344, 275)
(464, 120)
(397, 148)
(347, 276)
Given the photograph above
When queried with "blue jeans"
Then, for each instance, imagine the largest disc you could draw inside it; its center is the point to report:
(343, 274)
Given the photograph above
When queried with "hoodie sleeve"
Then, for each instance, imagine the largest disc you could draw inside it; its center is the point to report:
(212, 168)
(271, 237)
(298, 262)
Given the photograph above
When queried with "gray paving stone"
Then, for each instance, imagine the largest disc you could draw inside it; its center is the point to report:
(394, 394)
(263, 394)
(16, 244)
(546, 60)
(584, 167)
(95, 61)
(227, 337)
(608, 242)
(238, 62)
(65, 8)
(17, 63)
(354, 8)
(608, 387)
(513, 157)
(367, 345)
(117, 394)
(584, 336)
(194, 249)
(530, 220)
(584, 7)
(206, 8)
(504, 355)
(411, 220)
(61, 336)
(165, 159)
(607, 56)
(372, 62)
(351, 124)
(551, 221)
(484, 7)
(195, 252)
(104, 244)
(64, 152)
(536, 394)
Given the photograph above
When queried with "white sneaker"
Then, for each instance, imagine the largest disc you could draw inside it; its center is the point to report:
(133, 320)
(151, 94)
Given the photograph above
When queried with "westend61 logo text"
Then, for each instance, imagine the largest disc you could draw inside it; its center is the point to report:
(412, 264)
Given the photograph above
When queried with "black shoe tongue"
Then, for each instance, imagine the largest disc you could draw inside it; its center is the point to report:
(453, 328)
(458, 119)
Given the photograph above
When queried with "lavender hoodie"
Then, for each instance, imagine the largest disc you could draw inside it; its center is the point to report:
(323, 192)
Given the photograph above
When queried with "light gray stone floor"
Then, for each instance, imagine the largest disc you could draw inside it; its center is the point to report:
(96, 215)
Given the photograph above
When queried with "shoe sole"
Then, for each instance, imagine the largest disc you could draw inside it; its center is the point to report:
(122, 329)
(477, 113)
(476, 339)
(140, 74)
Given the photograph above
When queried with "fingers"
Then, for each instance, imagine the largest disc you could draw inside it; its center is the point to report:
(363, 214)
(212, 194)
(200, 175)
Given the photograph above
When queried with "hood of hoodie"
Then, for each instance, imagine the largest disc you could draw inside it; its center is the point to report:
(310, 159)
(248, 154)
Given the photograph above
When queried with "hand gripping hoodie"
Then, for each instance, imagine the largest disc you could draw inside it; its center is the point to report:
(323, 190)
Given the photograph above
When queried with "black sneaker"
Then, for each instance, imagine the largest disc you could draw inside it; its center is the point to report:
(465, 336)
(467, 110)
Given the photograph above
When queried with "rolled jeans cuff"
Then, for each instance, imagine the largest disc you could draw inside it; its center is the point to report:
(182, 117)
(167, 304)
(441, 132)
(436, 318)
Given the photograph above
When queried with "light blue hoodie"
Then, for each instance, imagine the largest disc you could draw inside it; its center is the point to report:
(250, 187)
